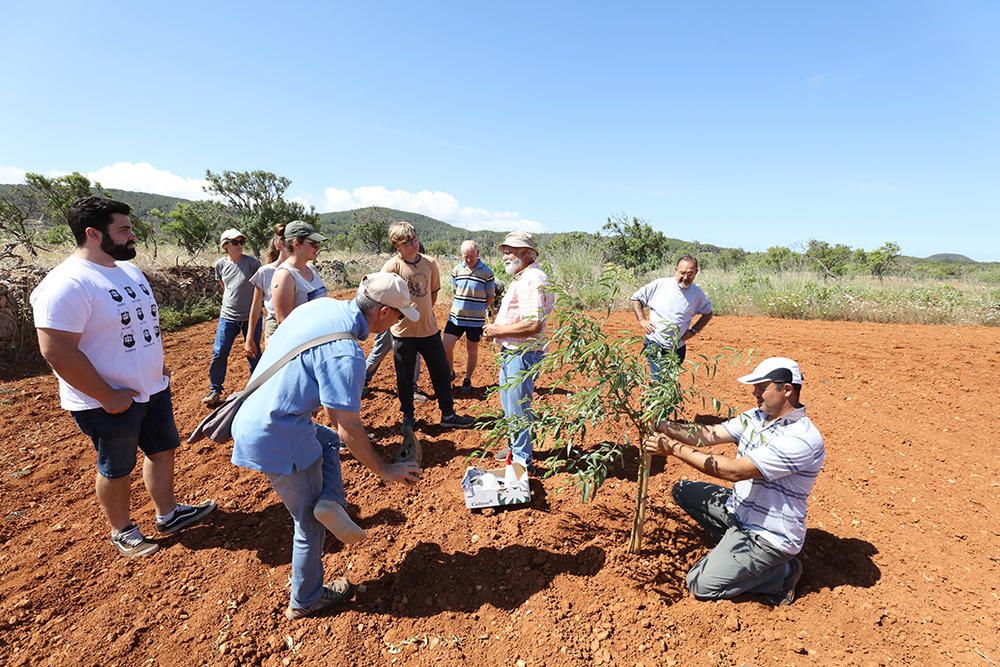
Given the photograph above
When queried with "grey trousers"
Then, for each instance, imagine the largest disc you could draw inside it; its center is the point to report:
(740, 562)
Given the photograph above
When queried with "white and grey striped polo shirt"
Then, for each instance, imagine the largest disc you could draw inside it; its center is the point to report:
(789, 454)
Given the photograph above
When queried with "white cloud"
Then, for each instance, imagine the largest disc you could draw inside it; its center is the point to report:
(144, 177)
(817, 80)
(11, 175)
(440, 205)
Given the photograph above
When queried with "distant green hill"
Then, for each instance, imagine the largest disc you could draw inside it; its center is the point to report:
(446, 238)
(951, 257)
(429, 229)
(141, 202)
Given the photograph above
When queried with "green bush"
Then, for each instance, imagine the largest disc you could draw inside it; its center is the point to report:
(192, 312)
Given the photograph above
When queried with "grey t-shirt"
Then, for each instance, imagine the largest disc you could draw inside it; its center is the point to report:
(238, 294)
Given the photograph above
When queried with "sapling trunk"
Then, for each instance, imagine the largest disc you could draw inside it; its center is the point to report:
(635, 541)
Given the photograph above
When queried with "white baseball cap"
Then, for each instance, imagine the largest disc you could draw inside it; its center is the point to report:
(774, 369)
(231, 234)
(389, 290)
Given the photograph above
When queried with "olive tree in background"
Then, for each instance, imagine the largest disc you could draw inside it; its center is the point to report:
(257, 199)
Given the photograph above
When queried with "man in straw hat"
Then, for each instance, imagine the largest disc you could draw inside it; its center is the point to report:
(519, 330)
(760, 524)
(274, 432)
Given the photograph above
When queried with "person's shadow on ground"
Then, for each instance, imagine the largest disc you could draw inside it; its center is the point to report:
(268, 532)
(501, 577)
(831, 561)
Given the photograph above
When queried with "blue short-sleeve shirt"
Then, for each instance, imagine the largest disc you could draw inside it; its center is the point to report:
(273, 431)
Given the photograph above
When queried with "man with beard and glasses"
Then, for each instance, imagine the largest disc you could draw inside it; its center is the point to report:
(98, 328)
(519, 330)
(672, 303)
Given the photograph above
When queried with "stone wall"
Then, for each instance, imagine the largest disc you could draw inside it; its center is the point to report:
(172, 287)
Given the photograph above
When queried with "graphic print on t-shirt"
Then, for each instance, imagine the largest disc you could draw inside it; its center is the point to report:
(144, 290)
(417, 286)
(146, 335)
(156, 330)
(115, 295)
(126, 317)
(128, 340)
(130, 291)
(152, 307)
(139, 313)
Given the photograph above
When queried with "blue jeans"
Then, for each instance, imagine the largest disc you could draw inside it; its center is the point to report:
(299, 491)
(381, 348)
(516, 400)
(225, 336)
(655, 354)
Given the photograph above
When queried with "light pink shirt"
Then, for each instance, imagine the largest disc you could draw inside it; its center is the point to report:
(526, 298)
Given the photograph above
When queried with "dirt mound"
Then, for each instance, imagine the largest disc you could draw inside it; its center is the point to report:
(901, 560)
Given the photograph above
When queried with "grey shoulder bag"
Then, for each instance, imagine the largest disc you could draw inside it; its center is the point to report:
(217, 426)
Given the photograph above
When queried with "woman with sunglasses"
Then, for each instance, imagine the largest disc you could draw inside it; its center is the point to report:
(295, 281)
(233, 272)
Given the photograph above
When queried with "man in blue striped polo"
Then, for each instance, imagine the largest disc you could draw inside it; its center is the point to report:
(759, 524)
(474, 288)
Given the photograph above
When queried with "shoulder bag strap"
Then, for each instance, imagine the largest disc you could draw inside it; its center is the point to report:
(291, 354)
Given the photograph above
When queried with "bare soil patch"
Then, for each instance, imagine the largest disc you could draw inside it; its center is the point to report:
(902, 560)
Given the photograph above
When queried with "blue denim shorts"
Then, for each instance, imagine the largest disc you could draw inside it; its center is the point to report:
(147, 426)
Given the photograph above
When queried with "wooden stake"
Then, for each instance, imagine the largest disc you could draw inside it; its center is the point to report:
(635, 541)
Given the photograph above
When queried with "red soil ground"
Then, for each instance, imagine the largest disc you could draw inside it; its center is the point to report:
(901, 559)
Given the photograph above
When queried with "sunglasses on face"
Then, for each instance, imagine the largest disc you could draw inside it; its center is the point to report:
(236, 241)
(314, 244)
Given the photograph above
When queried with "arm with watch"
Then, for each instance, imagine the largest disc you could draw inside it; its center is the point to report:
(697, 327)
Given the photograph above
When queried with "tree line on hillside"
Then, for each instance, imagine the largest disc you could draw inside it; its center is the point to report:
(33, 216)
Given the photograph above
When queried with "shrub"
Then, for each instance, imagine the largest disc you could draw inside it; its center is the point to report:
(191, 312)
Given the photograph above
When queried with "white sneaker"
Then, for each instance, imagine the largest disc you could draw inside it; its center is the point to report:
(332, 514)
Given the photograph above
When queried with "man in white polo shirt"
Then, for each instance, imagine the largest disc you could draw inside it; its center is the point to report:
(759, 524)
(672, 302)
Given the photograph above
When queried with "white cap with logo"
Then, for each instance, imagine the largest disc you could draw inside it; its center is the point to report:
(774, 369)
(389, 290)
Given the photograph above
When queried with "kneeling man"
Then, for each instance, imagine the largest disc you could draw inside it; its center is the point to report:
(759, 524)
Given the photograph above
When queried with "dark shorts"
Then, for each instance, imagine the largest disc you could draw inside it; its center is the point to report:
(146, 426)
(475, 334)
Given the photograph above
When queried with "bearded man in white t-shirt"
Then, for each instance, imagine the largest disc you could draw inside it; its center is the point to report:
(99, 329)
(672, 303)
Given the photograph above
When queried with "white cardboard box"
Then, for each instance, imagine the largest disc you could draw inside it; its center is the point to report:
(497, 487)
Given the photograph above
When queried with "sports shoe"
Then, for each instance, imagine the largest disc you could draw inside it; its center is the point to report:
(457, 421)
(212, 399)
(335, 593)
(466, 388)
(791, 581)
(131, 543)
(184, 516)
(419, 396)
(332, 514)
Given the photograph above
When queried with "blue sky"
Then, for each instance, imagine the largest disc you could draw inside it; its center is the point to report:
(733, 123)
